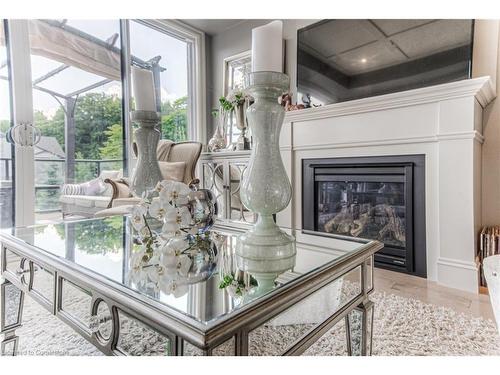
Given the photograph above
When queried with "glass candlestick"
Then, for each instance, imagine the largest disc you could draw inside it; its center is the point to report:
(265, 251)
(147, 170)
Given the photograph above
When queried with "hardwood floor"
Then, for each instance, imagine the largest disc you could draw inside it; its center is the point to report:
(430, 292)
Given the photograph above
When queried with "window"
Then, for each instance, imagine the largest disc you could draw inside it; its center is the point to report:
(235, 69)
(167, 56)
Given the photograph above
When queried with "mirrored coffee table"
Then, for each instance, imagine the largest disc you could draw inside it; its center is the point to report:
(81, 272)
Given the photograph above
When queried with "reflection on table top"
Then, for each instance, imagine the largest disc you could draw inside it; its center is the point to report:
(105, 247)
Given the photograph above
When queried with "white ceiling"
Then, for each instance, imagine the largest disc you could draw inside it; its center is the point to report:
(360, 46)
(213, 26)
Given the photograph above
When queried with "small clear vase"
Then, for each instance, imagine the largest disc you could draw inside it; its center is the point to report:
(218, 140)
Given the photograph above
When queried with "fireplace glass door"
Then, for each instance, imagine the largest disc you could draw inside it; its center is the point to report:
(372, 208)
(378, 198)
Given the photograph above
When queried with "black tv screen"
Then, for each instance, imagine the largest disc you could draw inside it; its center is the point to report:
(341, 60)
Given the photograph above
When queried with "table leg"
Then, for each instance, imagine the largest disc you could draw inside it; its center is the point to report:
(10, 317)
(359, 329)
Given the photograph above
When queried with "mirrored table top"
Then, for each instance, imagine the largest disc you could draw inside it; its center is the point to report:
(106, 247)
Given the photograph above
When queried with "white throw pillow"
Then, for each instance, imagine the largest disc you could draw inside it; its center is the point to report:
(93, 187)
(171, 170)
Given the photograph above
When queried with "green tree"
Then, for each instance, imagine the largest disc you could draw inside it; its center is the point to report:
(94, 114)
(84, 171)
(96, 237)
(53, 127)
(113, 146)
(174, 120)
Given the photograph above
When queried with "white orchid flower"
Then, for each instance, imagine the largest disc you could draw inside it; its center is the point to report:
(174, 190)
(180, 290)
(136, 260)
(177, 244)
(171, 226)
(173, 286)
(170, 229)
(171, 215)
(159, 208)
(136, 274)
(151, 270)
(159, 186)
(137, 217)
(170, 253)
(169, 263)
(184, 265)
(168, 259)
(153, 273)
(156, 209)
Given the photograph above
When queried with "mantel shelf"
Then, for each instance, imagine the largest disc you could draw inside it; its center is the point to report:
(481, 88)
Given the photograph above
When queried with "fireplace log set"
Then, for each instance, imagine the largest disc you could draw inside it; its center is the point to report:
(344, 222)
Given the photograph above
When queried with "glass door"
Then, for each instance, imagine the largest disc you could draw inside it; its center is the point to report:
(68, 74)
(77, 105)
(6, 149)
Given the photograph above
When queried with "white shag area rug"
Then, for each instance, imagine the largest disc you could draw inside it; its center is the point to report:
(402, 326)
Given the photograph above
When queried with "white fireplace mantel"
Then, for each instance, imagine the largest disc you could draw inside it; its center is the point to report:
(442, 122)
(481, 88)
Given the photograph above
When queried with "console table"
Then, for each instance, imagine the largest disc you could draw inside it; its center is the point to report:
(80, 272)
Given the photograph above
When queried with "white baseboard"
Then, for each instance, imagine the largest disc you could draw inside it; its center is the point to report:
(458, 274)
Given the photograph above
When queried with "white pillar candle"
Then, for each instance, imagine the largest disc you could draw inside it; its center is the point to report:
(267, 47)
(143, 89)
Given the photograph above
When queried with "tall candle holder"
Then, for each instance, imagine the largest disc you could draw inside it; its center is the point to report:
(265, 251)
(147, 170)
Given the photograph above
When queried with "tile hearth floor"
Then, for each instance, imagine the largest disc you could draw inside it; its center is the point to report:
(403, 285)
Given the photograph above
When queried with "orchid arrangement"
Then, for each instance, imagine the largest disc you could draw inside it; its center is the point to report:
(171, 265)
(228, 103)
(170, 207)
(168, 261)
(238, 97)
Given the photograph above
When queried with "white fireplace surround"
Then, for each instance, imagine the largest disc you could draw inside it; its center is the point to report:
(443, 122)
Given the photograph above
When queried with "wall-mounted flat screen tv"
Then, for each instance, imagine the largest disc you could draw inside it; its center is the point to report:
(341, 60)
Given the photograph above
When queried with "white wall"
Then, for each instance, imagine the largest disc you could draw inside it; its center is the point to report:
(488, 41)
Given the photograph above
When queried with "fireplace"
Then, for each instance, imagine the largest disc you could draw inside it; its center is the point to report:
(381, 198)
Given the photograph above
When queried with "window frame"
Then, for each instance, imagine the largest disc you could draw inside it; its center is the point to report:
(227, 61)
(196, 64)
(225, 88)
